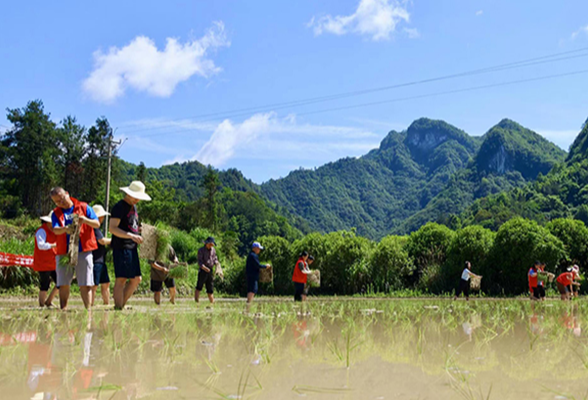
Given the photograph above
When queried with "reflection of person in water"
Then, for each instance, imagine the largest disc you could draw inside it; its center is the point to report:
(471, 325)
(301, 333)
(43, 377)
(571, 322)
(534, 321)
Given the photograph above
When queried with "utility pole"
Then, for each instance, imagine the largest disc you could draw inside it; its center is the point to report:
(111, 144)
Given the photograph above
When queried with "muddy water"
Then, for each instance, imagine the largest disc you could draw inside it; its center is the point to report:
(356, 349)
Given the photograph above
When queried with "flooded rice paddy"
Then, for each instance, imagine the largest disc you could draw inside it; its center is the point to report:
(349, 349)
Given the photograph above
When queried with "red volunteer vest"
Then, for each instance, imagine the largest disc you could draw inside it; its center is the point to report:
(298, 276)
(44, 260)
(87, 238)
(566, 278)
(533, 280)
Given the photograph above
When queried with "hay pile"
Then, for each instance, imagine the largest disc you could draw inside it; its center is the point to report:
(266, 275)
(314, 279)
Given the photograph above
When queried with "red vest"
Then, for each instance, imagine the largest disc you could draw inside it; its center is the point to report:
(298, 276)
(533, 280)
(44, 260)
(566, 278)
(87, 238)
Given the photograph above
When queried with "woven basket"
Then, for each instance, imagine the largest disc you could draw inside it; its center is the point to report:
(266, 275)
(475, 282)
(148, 249)
(550, 277)
(314, 279)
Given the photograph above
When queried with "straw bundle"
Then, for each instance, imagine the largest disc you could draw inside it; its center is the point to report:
(156, 242)
(314, 279)
(266, 275)
(71, 258)
(148, 249)
(178, 271)
(475, 282)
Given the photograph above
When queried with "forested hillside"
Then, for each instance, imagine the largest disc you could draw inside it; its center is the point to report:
(426, 173)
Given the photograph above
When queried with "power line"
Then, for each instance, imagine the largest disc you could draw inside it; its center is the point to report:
(562, 56)
(442, 93)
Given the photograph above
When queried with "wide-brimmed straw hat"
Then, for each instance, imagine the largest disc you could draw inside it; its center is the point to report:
(47, 218)
(136, 190)
(100, 211)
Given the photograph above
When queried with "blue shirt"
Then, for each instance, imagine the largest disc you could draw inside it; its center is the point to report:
(253, 266)
(68, 218)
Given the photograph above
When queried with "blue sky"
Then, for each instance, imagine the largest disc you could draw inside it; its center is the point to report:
(158, 70)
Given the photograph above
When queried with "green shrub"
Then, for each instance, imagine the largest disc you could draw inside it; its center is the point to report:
(390, 265)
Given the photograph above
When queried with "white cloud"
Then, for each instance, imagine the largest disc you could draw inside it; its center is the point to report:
(581, 31)
(375, 18)
(141, 66)
(278, 136)
(479, 12)
(412, 33)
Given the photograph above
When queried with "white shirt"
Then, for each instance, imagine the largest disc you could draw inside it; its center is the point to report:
(466, 274)
(41, 237)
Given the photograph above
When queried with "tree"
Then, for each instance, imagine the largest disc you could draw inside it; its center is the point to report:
(211, 184)
(31, 151)
(518, 244)
(73, 150)
(96, 162)
(473, 244)
(141, 174)
(390, 264)
(574, 235)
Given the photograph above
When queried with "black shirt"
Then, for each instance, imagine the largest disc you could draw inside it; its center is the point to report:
(100, 252)
(129, 222)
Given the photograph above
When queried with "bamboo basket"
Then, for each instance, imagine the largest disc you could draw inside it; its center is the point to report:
(148, 249)
(475, 282)
(266, 275)
(314, 279)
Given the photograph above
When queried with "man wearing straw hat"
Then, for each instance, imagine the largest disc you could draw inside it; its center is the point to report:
(44, 260)
(101, 277)
(207, 261)
(124, 226)
(62, 218)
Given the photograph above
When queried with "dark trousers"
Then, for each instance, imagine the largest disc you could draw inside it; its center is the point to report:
(464, 287)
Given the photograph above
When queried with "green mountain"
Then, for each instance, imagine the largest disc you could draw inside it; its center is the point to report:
(561, 193)
(430, 171)
(509, 157)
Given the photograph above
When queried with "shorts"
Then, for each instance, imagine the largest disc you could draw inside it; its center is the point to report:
(126, 263)
(538, 292)
(84, 271)
(205, 278)
(45, 278)
(562, 289)
(100, 274)
(252, 285)
(157, 286)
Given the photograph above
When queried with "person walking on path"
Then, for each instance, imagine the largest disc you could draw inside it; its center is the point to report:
(124, 226)
(101, 277)
(300, 277)
(159, 276)
(61, 219)
(252, 268)
(464, 284)
(44, 261)
(207, 261)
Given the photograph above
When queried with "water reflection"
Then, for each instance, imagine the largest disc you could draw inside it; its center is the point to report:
(394, 349)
